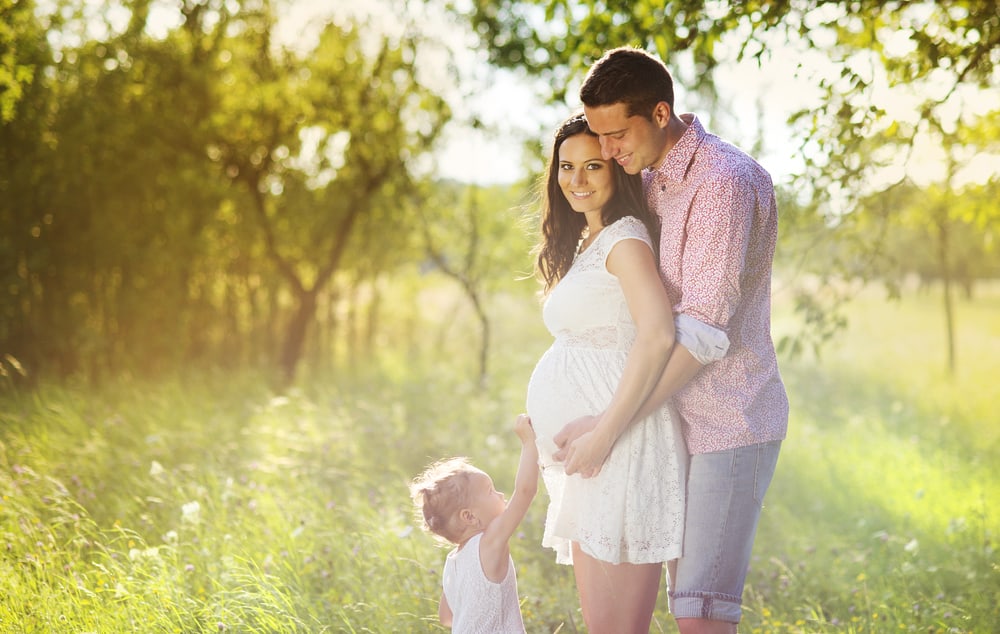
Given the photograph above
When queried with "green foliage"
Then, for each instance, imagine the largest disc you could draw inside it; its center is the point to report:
(900, 77)
(18, 31)
(212, 503)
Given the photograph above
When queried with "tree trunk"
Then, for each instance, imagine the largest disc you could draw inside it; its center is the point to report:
(371, 327)
(946, 280)
(484, 329)
(295, 334)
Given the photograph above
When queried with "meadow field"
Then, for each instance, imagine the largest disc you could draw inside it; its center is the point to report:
(212, 503)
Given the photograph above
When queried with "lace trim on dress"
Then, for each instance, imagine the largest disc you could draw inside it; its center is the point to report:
(601, 338)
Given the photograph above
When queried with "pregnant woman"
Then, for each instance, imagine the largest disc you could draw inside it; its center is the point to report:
(611, 319)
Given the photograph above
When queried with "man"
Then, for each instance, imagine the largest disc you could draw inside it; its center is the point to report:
(717, 239)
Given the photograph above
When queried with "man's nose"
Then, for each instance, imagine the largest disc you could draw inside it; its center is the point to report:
(608, 150)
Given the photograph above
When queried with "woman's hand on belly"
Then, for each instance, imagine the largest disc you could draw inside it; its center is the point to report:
(587, 454)
(570, 432)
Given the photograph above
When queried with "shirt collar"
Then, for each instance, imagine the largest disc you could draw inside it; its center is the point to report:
(675, 164)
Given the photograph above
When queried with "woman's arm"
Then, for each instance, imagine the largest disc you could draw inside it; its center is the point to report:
(632, 262)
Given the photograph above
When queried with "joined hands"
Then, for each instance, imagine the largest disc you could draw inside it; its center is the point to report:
(580, 448)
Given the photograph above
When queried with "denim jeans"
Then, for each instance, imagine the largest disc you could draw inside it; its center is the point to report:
(724, 497)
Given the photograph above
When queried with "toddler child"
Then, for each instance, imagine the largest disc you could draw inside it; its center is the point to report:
(460, 505)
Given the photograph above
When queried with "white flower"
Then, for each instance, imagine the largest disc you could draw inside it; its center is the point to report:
(190, 512)
(148, 553)
(156, 469)
(279, 401)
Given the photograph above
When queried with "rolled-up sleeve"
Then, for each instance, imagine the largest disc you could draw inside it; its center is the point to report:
(705, 343)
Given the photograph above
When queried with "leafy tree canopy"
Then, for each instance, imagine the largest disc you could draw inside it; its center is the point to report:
(934, 60)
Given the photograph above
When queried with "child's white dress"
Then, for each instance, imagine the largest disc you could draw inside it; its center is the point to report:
(633, 510)
(478, 605)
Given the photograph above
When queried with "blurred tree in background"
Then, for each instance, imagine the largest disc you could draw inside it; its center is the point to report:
(474, 245)
(200, 197)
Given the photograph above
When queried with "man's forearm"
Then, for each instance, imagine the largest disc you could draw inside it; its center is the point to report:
(681, 368)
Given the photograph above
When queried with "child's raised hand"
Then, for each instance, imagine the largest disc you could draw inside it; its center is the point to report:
(523, 429)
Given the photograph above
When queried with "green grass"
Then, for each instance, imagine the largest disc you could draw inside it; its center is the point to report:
(211, 504)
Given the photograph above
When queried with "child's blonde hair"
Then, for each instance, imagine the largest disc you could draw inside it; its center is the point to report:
(439, 493)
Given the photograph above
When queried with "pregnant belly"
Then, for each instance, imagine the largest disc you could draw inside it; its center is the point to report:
(565, 385)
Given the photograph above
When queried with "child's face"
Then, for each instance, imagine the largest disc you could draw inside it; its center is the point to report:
(484, 500)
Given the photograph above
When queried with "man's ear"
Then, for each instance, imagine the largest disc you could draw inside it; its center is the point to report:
(661, 114)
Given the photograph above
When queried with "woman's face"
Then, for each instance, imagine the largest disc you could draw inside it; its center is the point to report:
(585, 178)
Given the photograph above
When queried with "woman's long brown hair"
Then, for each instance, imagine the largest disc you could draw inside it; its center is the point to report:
(562, 227)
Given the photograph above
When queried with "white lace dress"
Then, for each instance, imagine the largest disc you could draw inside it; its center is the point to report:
(633, 510)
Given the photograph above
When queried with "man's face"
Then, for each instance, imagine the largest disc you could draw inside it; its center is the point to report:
(634, 142)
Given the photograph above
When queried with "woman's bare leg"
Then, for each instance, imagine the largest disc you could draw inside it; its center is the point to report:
(616, 598)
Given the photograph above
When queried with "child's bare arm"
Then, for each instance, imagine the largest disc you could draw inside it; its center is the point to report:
(494, 548)
(444, 611)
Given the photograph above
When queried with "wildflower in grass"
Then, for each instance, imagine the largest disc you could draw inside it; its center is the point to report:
(135, 554)
(955, 525)
(191, 512)
(170, 538)
(279, 401)
(156, 469)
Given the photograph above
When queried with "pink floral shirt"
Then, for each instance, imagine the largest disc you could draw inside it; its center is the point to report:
(719, 228)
